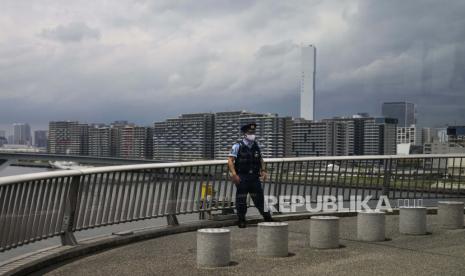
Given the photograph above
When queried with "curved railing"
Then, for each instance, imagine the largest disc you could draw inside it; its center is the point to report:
(42, 205)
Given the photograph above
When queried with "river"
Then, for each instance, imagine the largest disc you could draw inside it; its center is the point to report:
(16, 170)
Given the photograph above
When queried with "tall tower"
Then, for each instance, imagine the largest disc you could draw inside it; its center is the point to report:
(22, 134)
(307, 83)
(404, 112)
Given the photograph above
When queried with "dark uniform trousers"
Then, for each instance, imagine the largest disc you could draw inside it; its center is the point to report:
(251, 184)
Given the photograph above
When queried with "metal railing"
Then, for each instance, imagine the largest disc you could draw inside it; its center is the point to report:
(42, 205)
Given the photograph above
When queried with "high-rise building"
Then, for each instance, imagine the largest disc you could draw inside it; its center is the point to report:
(227, 131)
(59, 137)
(307, 83)
(456, 135)
(331, 137)
(441, 135)
(404, 112)
(342, 136)
(359, 134)
(309, 138)
(426, 135)
(409, 135)
(380, 136)
(115, 135)
(186, 138)
(301, 144)
(3, 141)
(80, 139)
(68, 137)
(100, 141)
(136, 142)
(22, 134)
(273, 132)
(355, 129)
(11, 139)
(40, 138)
(369, 135)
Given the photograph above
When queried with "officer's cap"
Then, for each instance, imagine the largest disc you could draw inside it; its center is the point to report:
(247, 127)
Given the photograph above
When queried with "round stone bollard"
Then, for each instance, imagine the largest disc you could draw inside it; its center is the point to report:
(371, 226)
(412, 220)
(324, 232)
(450, 214)
(272, 239)
(213, 247)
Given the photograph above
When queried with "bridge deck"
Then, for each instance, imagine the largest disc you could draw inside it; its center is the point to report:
(440, 252)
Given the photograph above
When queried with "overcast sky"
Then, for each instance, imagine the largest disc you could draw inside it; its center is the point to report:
(144, 61)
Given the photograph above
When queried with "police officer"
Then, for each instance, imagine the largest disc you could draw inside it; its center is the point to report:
(246, 166)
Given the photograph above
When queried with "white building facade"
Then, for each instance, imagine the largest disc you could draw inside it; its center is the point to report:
(409, 135)
(307, 84)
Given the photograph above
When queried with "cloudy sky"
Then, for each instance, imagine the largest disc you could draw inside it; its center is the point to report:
(144, 61)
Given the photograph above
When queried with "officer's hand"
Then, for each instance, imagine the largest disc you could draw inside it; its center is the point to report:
(263, 175)
(235, 179)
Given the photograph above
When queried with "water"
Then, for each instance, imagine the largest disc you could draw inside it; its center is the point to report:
(16, 170)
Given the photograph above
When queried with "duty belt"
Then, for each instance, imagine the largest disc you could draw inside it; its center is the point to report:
(248, 172)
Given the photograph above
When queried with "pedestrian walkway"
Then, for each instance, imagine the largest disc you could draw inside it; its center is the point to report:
(439, 252)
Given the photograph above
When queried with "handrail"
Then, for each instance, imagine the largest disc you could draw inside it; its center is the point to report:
(71, 157)
(5, 180)
(117, 168)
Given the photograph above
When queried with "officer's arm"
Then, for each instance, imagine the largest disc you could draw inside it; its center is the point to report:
(262, 165)
(234, 177)
(231, 160)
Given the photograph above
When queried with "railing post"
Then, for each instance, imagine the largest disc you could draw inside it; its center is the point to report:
(68, 238)
(279, 183)
(172, 201)
(387, 177)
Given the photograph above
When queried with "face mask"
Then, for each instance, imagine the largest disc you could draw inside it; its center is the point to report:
(250, 137)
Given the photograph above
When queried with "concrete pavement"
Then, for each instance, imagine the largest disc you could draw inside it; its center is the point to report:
(440, 252)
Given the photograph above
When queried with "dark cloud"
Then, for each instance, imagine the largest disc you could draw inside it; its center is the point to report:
(147, 60)
(72, 32)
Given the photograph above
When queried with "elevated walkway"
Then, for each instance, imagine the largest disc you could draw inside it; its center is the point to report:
(440, 252)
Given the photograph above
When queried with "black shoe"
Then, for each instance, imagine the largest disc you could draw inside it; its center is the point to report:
(242, 224)
(267, 218)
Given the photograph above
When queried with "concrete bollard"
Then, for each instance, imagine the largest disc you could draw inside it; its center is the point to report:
(450, 214)
(412, 220)
(213, 247)
(324, 232)
(371, 226)
(272, 239)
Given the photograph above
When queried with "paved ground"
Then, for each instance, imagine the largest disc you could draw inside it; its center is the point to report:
(441, 252)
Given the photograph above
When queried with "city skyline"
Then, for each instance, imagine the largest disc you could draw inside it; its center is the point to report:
(203, 136)
(139, 60)
(207, 136)
(9, 128)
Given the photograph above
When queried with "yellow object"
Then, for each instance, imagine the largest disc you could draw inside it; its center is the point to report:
(207, 192)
